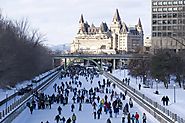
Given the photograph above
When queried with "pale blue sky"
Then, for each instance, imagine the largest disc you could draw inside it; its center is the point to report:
(58, 19)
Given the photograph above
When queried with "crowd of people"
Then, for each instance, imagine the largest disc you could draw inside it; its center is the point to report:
(104, 98)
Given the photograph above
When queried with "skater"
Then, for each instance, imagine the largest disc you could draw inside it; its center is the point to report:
(31, 108)
(80, 106)
(99, 113)
(133, 118)
(123, 118)
(163, 100)
(74, 118)
(137, 117)
(57, 118)
(139, 86)
(130, 103)
(59, 110)
(108, 120)
(94, 113)
(167, 100)
(63, 119)
(68, 120)
(128, 118)
(144, 118)
(72, 107)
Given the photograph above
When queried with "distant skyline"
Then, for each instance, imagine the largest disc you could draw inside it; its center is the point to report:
(58, 19)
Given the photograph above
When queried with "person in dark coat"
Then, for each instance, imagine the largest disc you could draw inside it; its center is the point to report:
(94, 113)
(128, 118)
(130, 103)
(31, 109)
(72, 107)
(139, 86)
(108, 120)
(163, 100)
(80, 106)
(68, 120)
(59, 110)
(63, 119)
(74, 118)
(57, 118)
(167, 100)
(99, 113)
(144, 118)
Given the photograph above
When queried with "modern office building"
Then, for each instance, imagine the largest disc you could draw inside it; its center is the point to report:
(168, 24)
(103, 39)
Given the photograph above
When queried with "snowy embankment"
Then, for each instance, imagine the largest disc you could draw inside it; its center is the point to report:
(176, 107)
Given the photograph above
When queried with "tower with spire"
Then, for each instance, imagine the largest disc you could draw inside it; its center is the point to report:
(116, 23)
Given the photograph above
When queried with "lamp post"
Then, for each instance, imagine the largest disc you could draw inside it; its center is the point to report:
(156, 92)
(174, 93)
(144, 79)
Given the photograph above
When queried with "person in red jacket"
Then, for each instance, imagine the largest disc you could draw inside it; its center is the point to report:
(137, 117)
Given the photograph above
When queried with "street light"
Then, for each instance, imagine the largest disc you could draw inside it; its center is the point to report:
(174, 93)
(156, 92)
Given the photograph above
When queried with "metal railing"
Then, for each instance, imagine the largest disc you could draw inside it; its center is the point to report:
(162, 114)
(9, 113)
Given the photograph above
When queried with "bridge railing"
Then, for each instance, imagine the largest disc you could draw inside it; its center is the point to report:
(155, 106)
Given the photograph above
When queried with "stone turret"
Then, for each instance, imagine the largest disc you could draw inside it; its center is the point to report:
(139, 26)
(82, 26)
(116, 23)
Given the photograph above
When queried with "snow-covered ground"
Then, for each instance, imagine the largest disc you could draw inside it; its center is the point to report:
(177, 107)
(84, 116)
(4, 93)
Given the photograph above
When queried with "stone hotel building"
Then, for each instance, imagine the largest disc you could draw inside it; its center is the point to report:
(103, 39)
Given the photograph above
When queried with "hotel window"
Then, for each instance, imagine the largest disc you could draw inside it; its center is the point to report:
(175, 9)
(175, 2)
(179, 21)
(154, 22)
(170, 9)
(160, 3)
(180, 8)
(154, 9)
(170, 15)
(164, 15)
(159, 33)
(159, 15)
(180, 2)
(169, 21)
(174, 21)
(159, 28)
(164, 27)
(164, 9)
(169, 28)
(180, 14)
(154, 16)
(164, 33)
(164, 3)
(154, 3)
(169, 3)
(159, 9)
(160, 21)
(165, 21)
(154, 28)
(174, 15)
(169, 34)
